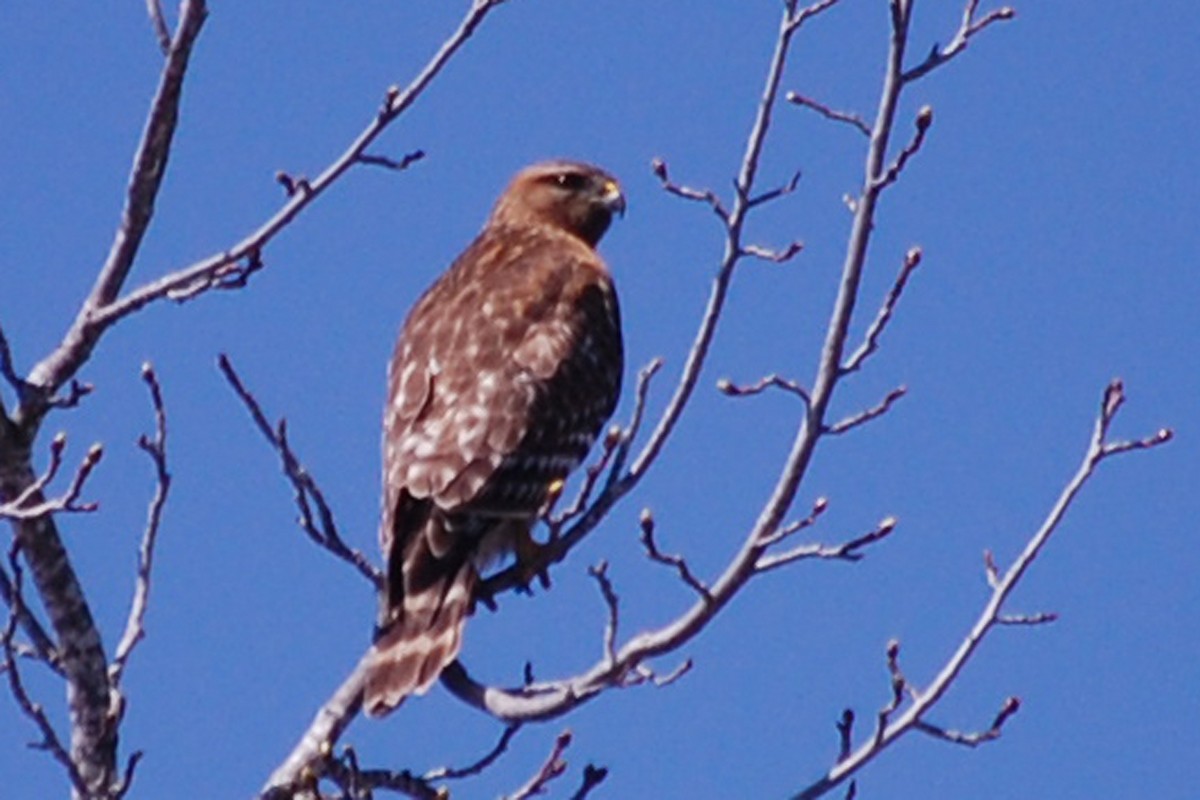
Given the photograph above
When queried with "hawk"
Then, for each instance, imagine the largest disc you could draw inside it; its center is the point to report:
(504, 373)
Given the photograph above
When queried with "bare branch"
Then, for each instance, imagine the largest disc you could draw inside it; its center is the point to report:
(149, 167)
(44, 649)
(593, 776)
(785, 531)
(1010, 707)
(707, 196)
(1040, 618)
(777, 192)
(846, 551)
(33, 711)
(159, 24)
(553, 767)
(771, 381)
(845, 729)
(969, 27)
(307, 493)
(231, 267)
(772, 255)
(912, 259)
(156, 448)
(798, 18)
(126, 782)
(678, 562)
(1003, 586)
(993, 572)
(30, 505)
(600, 573)
(407, 160)
(641, 392)
(355, 782)
(898, 686)
(479, 765)
(660, 681)
(892, 173)
(853, 120)
(877, 410)
(318, 740)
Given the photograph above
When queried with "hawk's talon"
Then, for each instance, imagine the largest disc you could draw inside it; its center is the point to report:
(533, 561)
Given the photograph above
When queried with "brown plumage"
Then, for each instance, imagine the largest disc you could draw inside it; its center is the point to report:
(503, 375)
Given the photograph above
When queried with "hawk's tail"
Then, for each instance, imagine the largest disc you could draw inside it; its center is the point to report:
(412, 651)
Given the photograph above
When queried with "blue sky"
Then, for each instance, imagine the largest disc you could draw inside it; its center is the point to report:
(1055, 200)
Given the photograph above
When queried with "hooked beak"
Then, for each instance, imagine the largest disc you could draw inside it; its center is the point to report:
(613, 199)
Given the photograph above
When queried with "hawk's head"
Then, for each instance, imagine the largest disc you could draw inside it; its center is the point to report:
(577, 197)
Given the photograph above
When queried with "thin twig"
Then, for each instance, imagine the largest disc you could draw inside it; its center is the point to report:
(593, 776)
(159, 24)
(1040, 618)
(772, 381)
(307, 493)
(553, 767)
(898, 685)
(845, 729)
(853, 120)
(44, 649)
(866, 415)
(846, 551)
(356, 783)
(480, 764)
(406, 161)
(629, 435)
(26, 506)
(1004, 584)
(912, 259)
(771, 254)
(156, 448)
(776, 193)
(706, 196)
(921, 127)
(818, 508)
(969, 28)
(1010, 707)
(600, 573)
(678, 562)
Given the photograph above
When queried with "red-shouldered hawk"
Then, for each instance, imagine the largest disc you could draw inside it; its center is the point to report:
(504, 373)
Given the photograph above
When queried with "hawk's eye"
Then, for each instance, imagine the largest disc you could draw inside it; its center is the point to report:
(572, 181)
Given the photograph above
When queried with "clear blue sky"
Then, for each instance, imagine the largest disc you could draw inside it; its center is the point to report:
(1055, 199)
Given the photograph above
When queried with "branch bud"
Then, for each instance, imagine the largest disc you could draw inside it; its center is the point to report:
(924, 118)
(913, 257)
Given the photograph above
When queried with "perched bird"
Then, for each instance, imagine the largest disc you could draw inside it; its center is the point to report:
(504, 373)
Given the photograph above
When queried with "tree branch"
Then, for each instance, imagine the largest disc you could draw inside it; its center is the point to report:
(966, 30)
(159, 24)
(923, 700)
(50, 742)
(912, 259)
(307, 493)
(156, 448)
(149, 167)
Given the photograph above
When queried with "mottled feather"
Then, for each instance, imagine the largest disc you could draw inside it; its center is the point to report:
(504, 373)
